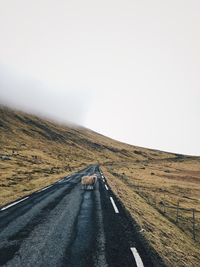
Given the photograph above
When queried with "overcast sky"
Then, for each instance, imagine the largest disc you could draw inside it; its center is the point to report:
(128, 69)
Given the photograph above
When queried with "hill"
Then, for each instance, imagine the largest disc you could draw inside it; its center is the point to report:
(36, 152)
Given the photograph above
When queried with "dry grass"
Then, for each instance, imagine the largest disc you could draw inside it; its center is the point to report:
(39, 152)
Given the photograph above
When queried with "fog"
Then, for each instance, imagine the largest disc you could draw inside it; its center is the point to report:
(127, 69)
(55, 102)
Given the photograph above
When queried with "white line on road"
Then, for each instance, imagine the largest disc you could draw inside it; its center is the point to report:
(6, 207)
(45, 188)
(137, 257)
(65, 180)
(114, 205)
(106, 187)
(61, 180)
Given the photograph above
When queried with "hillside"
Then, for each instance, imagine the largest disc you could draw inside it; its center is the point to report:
(36, 152)
(40, 151)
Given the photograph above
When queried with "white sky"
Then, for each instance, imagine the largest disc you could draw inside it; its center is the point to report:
(128, 69)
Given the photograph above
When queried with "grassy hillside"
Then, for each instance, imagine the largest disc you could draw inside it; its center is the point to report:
(36, 152)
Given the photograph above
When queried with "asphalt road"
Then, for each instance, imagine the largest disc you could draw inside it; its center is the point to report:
(63, 225)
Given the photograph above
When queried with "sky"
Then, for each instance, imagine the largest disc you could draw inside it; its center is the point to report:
(127, 69)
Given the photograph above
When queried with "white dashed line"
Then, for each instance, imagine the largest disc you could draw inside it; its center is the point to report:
(114, 205)
(137, 257)
(6, 207)
(106, 187)
(45, 188)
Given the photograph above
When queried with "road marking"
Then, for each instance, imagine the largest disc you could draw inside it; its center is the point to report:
(114, 205)
(45, 188)
(137, 257)
(106, 187)
(6, 207)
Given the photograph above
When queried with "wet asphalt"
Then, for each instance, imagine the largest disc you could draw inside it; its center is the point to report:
(64, 225)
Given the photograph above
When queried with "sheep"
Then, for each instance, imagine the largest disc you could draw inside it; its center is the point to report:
(88, 182)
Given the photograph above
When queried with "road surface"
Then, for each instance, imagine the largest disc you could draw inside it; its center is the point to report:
(63, 225)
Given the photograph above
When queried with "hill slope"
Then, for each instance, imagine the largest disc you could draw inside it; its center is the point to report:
(36, 152)
(40, 151)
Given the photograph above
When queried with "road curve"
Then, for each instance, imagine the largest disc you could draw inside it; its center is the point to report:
(63, 225)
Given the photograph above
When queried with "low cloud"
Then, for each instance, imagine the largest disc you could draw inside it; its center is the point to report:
(59, 103)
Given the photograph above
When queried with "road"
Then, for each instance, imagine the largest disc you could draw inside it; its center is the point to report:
(63, 225)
